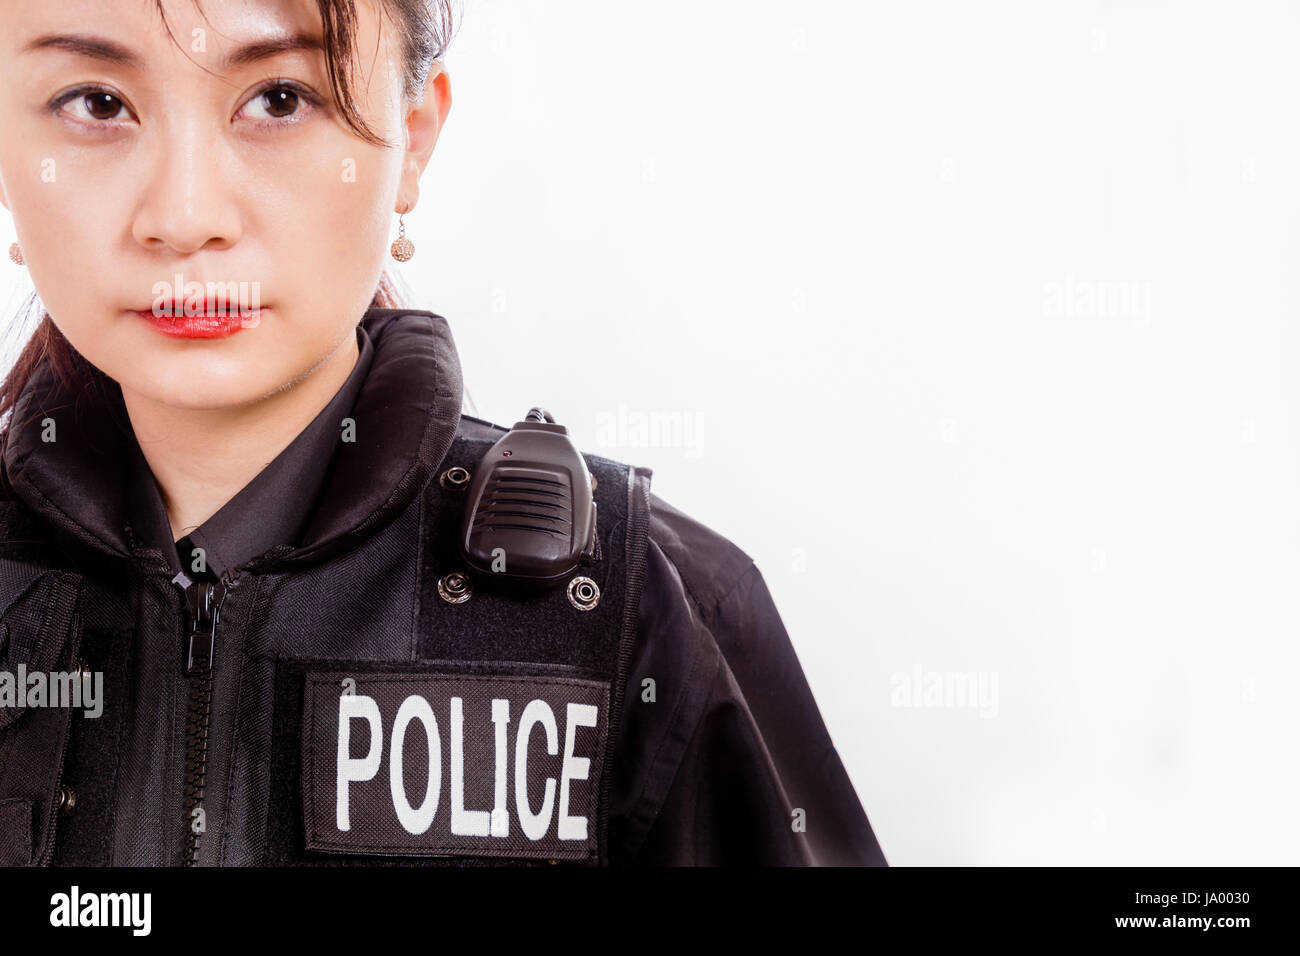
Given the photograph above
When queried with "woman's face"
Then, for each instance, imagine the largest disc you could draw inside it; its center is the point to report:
(211, 165)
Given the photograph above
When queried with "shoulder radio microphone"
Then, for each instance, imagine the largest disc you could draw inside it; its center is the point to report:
(530, 515)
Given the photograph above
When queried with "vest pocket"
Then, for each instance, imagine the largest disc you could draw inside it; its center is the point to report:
(39, 638)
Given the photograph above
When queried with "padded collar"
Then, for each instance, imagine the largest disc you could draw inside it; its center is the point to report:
(407, 414)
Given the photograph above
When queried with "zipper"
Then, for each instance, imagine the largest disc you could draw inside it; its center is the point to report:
(203, 600)
(47, 851)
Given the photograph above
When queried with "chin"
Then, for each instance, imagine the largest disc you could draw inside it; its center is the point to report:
(194, 388)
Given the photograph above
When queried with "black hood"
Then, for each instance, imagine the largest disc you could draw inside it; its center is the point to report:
(408, 411)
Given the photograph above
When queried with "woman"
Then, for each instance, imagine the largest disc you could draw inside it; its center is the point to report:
(235, 478)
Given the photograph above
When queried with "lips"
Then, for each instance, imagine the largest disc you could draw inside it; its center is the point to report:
(214, 324)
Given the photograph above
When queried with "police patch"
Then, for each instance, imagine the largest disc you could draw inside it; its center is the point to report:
(441, 764)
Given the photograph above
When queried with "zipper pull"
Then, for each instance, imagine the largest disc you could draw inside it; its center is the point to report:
(203, 611)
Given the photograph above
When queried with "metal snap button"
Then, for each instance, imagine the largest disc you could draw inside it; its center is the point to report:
(583, 593)
(67, 798)
(455, 588)
(454, 477)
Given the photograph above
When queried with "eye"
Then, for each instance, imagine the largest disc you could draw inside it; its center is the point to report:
(91, 105)
(281, 102)
(102, 105)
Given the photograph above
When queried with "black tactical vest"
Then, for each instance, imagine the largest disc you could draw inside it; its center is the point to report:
(357, 710)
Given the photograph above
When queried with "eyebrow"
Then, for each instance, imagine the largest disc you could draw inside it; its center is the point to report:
(110, 51)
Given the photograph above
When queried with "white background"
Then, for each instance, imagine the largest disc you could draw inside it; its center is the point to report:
(979, 326)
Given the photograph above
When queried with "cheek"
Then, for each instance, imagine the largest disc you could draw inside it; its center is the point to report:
(352, 222)
(329, 222)
(69, 205)
(68, 244)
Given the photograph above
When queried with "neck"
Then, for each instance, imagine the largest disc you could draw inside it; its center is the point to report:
(201, 458)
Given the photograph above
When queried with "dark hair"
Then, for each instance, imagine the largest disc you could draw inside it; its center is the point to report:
(425, 28)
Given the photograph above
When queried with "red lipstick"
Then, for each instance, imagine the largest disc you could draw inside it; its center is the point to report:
(210, 325)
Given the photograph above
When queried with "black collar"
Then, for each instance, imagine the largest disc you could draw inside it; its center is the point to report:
(272, 509)
(87, 482)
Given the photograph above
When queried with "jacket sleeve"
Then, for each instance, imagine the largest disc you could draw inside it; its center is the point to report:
(734, 764)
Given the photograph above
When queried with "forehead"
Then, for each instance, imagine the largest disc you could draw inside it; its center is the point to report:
(138, 34)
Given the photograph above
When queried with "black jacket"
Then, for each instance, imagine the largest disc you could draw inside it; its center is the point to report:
(672, 724)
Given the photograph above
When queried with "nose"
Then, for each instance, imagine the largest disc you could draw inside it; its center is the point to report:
(188, 200)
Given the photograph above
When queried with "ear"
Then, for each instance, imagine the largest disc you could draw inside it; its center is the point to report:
(423, 124)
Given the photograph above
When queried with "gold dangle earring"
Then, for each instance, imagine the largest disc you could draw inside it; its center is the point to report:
(402, 248)
(16, 253)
